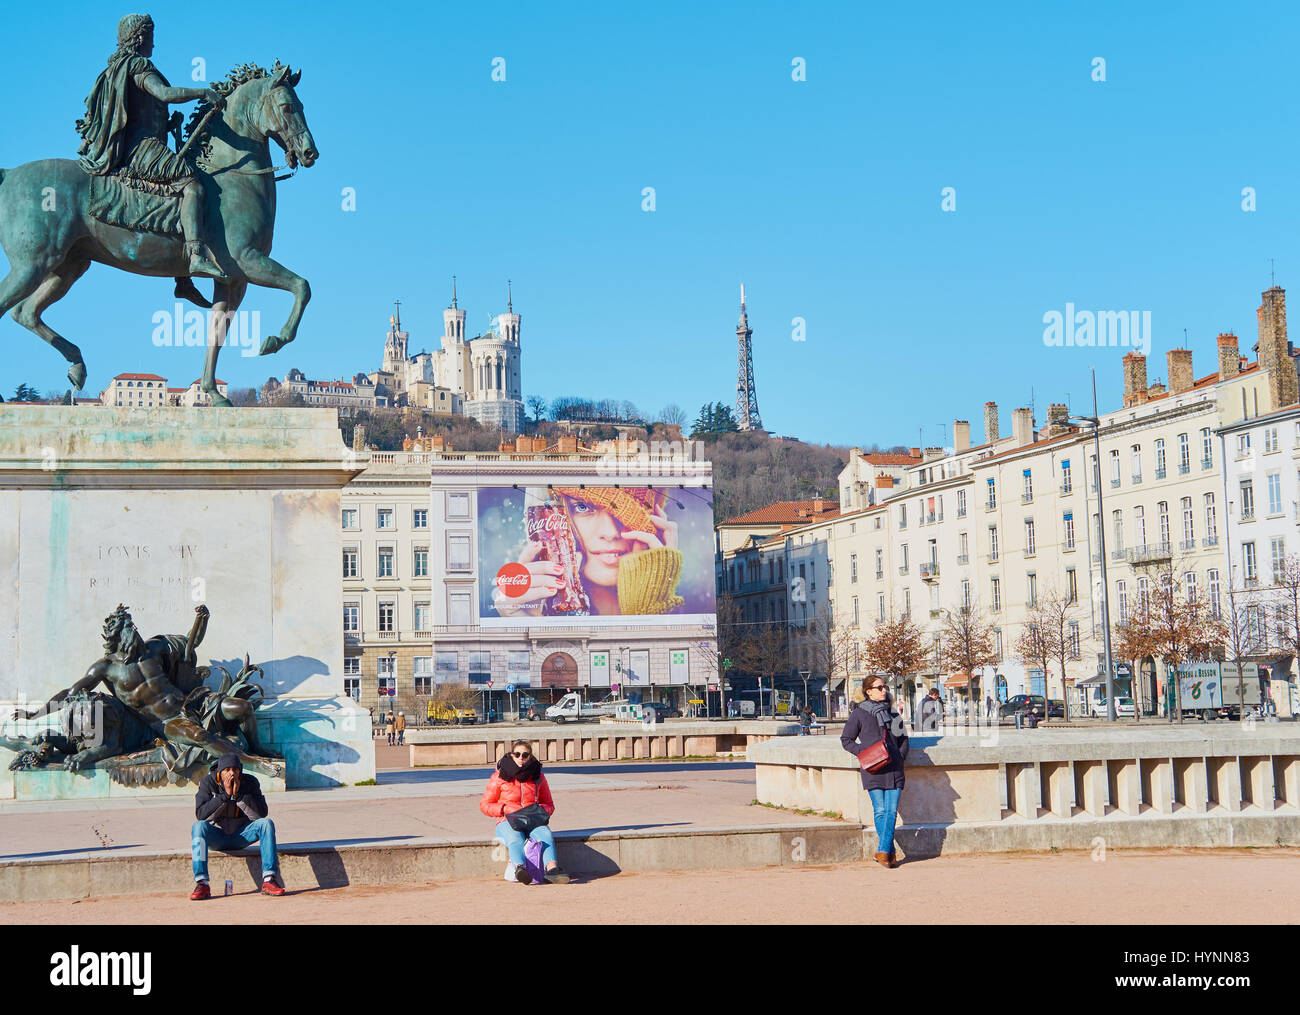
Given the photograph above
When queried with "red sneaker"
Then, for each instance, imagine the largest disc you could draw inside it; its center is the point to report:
(271, 886)
(201, 892)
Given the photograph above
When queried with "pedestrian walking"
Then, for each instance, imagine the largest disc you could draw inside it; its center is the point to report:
(391, 728)
(519, 796)
(988, 707)
(400, 727)
(930, 713)
(873, 721)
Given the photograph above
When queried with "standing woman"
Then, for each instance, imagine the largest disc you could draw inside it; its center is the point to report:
(870, 721)
(518, 783)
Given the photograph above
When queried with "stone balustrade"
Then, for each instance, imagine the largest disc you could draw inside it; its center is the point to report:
(591, 741)
(1212, 784)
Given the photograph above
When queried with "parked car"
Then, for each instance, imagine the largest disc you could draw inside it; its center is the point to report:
(1055, 709)
(1023, 703)
(437, 713)
(1124, 708)
(663, 710)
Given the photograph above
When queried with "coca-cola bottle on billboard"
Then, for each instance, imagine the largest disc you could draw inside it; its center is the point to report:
(548, 525)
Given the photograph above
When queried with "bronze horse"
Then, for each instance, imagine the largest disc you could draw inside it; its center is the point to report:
(51, 237)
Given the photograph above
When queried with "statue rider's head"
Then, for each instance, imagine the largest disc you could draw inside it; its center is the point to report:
(120, 635)
(135, 34)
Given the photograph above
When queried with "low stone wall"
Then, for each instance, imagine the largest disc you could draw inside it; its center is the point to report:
(591, 741)
(1152, 786)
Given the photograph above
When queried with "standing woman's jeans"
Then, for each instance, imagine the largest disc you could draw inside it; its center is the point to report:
(514, 842)
(884, 804)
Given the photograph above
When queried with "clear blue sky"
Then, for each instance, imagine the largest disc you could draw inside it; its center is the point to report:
(822, 196)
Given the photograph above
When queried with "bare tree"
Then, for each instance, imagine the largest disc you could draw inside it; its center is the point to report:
(1057, 614)
(896, 647)
(764, 652)
(673, 414)
(968, 645)
(725, 650)
(833, 648)
(537, 406)
(1035, 646)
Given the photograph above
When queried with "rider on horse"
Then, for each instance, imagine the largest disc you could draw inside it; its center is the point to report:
(125, 130)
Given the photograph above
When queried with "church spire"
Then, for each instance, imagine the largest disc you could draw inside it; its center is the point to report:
(453, 292)
(510, 306)
(397, 315)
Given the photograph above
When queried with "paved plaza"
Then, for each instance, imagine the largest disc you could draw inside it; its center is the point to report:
(1127, 887)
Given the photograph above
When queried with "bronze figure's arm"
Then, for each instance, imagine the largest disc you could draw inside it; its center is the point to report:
(197, 632)
(94, 676)
(153, 83)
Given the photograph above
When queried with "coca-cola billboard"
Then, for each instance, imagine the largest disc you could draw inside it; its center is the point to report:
(595, 555)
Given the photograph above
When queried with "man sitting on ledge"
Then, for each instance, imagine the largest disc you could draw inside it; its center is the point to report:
(231, 814)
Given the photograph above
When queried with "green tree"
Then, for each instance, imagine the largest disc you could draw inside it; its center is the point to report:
(714, 418)
(25, 393)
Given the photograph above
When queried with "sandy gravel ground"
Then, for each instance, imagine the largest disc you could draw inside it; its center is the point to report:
(1127, 887)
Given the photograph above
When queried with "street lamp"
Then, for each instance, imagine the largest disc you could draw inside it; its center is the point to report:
(1095, 422)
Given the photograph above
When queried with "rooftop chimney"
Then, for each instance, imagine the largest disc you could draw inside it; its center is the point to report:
(915, 452)
(1058, 420)
(1022, 426)
(1229, 359)
(1180, 370)
(819, 505)
(960, 435)
(1274, 356)
(884, 482)
(932, 453)
(1135, 379)
(990, 422)
(1158, 388)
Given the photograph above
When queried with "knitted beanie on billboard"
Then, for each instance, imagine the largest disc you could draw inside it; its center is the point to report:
(631, 505)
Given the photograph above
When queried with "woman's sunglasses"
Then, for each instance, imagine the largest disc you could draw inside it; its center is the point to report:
(520, 754)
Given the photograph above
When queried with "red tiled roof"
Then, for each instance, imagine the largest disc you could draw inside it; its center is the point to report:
(883, 459)
(785, 512)
(139, 377)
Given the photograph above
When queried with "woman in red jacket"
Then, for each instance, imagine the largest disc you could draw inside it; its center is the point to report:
(517, 783)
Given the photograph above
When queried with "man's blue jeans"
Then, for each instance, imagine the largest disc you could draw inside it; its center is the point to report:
(884, 804)
(514, 841)
(204, 835)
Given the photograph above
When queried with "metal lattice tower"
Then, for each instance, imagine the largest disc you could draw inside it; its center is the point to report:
(747, 417)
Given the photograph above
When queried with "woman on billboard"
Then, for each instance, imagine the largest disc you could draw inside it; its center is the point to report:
(593, 552)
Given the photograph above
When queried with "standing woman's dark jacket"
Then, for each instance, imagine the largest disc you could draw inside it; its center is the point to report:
(863, 729)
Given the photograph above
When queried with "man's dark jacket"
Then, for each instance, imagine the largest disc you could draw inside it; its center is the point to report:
(930, 714)
(231, 814)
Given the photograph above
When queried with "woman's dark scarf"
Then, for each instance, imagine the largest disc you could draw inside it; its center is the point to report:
(511, 771)
(885, 715)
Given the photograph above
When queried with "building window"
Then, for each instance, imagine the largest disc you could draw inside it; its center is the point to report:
(350, 518)
(902, 516)
(1248, 561)
(1160, 458)
(1162, 512)
(993, 543)
(965, 594)
(1135, 455)
(352, 687)
(961, 503)
(1184, 455)
(458, 506)
(992, 494)
(1207, 449)
(419, 518)
(384, 518)
(1066, 481)
(880, 607)
(855, 611)
(1211, 529)
(1073, 639)
(853, 567)
(1278, 546)
(1270, 439)
(1030, 549)
(996, 597)
(880, 563)
(1029, 486)
(1114, 468)
(1121, 597)
(480, 667)
(423, 616)
(387, 614)
(1068, 520)
(963, 547)
(1273, 483)
(458, 553)
(1212, 576)
(1031, 581)
(907, 602)
(420, 565)
(1071, 585)
(385, 569)
(458, 609)
(351, 618)
(1189, 585)
(1247, 500)
(1189, 527)
(1117, 520)
(350, 563)
(352, 666)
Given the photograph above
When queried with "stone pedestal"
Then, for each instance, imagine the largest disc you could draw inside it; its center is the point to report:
(164, 509)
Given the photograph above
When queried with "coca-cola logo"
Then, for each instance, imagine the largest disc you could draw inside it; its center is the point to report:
(514, 580)
(551, 521)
